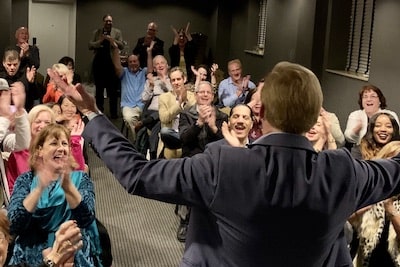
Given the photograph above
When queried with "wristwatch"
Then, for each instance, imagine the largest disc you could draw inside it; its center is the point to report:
(49, 263)
(91, 115)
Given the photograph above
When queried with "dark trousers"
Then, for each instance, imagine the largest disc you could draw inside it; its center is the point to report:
(105, 78)
(112, 90)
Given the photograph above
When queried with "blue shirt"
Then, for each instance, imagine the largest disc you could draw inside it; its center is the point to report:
(132, 86)
(227, 93)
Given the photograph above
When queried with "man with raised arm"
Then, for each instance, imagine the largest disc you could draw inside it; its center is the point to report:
(276, 203)
(133, 79)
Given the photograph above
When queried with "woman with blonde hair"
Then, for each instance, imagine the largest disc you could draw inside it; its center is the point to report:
(52, 92)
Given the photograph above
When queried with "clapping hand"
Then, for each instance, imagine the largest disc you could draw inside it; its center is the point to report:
(230, 135)
(24, 49)
(68, 240)
(30, 74)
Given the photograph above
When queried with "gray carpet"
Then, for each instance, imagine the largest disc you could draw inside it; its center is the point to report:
(142, 231)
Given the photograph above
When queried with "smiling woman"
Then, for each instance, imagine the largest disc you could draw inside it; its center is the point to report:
(48, 195)
(382, 129)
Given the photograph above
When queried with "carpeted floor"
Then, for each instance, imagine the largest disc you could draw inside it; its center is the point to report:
(142, 231)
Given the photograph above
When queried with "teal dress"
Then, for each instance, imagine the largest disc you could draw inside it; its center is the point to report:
(34, 232)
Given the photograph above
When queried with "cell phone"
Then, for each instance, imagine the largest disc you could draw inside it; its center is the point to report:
(34, 40)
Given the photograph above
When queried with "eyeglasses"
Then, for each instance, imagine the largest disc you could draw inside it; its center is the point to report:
(370, 96)
(205, 93)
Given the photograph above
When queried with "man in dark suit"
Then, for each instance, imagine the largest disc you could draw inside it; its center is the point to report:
(144, 42)
(276, 203)
(102, 65)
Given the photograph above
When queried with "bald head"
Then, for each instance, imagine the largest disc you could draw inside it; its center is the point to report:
(152, 29)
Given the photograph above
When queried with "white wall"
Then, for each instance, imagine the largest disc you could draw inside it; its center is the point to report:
(54, 26)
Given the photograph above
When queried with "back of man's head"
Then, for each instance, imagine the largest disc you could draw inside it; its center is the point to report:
(292, 98)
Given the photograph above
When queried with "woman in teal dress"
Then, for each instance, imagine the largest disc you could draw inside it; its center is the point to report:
(48, 195)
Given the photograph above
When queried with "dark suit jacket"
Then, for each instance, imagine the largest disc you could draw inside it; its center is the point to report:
(141, 50)
(276, 203)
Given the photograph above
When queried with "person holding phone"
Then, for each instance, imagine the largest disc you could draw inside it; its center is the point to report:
(103, 67)
(29, 54)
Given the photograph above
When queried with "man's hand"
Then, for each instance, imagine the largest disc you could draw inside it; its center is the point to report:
(76, 93)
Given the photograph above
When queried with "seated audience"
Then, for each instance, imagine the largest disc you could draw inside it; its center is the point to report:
(170, 106)
(371, 100)
(48, 195)
(234, 89)
(13, 73)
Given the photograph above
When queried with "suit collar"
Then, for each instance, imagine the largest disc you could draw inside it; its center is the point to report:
(284, 140)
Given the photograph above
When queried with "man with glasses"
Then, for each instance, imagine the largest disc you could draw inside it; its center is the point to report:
(144, 42)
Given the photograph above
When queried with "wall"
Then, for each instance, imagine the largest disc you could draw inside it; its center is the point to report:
(290, 30)
(341, 93)
(5, 21)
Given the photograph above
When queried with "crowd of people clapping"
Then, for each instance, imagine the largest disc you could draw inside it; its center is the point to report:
(174, 110)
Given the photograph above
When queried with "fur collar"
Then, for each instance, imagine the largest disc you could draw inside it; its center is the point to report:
(369, 232)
